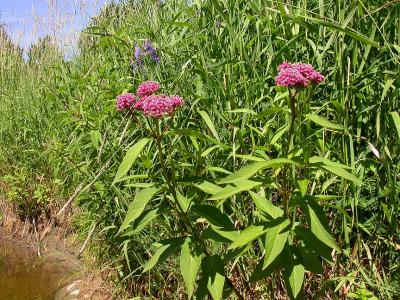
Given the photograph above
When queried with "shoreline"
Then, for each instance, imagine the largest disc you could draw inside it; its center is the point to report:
(59, 246)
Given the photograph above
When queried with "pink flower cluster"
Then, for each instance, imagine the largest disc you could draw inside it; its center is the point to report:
(147, 88)
(157, 106)
(297, 75)
(125, 101)
(150, 105)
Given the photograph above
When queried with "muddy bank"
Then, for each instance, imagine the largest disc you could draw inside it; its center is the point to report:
(38, 268)
(25, 275)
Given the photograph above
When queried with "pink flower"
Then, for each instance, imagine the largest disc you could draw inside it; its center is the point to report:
(176, 101)
(147, 88)
(157, 106)
(125, 101)
(291, 77)
(297, 75)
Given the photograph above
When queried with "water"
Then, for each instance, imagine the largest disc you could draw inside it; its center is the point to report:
(25, 276)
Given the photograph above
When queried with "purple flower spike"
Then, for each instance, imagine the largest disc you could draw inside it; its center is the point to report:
(150, 50)
(138, 55)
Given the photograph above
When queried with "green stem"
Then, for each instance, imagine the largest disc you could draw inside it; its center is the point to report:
(289, 145)
(183, 215)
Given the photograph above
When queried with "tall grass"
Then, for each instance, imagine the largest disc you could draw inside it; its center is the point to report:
(59, 120)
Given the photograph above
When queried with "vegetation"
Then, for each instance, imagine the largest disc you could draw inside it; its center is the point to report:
(249, 190)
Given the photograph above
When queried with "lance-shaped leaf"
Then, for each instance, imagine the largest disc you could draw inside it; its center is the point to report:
(321, 121)
(184, 202)
(319, 225)
(145, 218)
(396, 120)
(294, 276)
(247, 171)
(168, 247)
(213, 215)
(313, 243)
(342, 173)
(213, 269)
(138, 205)
(275, 240)
(129, 159)
(190, 263)
(265, 206)
(238, 187)
(209, 123)
(208, 187)
(334, 168)
(248, 235)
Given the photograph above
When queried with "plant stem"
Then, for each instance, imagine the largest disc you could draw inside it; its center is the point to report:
(170, 179)
(289, 145)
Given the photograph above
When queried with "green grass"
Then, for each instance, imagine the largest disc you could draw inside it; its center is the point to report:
(58, 121)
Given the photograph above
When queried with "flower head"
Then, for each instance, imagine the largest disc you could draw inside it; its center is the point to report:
(176, 101)
(150, 50)
(147, 88)
(125, 101)
(150, 105)
(138, 55)
(297, 75)
(157, 106)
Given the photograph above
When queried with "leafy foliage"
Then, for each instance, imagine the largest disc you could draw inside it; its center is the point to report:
(254, 197)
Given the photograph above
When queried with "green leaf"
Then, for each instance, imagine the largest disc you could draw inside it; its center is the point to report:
(209, 123)
(303, 185)
(338, 27)
(321, 121)
(265, 206)
(319, 225)
(137, 206)
(145, 218)
(342, 173)
(213, 215)
(313, 243)
(396, 120)
(166, 250)
(213, 234)
(213, 268)
(275, 241)
(229, 235)
(129, 159)
(194, 133)
(230, 190)
(310, 261)
(208, 187)
(293, 273)
(318, 160)
(278, 135)
(248, 235)
(259, 273)
(242, 110)
(190, 263)
(295, 277)
(95, 137)
(218, 169)
(183, 201)
(209, 150)
(247, 171)
(246, 157)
